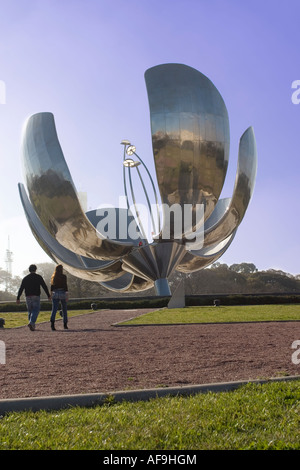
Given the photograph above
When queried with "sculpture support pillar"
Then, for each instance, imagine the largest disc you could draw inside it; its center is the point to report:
(162, 287)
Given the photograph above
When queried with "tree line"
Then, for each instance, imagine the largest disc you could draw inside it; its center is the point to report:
(219, 278)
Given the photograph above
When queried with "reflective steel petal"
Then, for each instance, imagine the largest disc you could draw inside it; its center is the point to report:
(190, 135)
(53, 194)
(128, 283)
(234, 212)
(86, 268)
(196, 260)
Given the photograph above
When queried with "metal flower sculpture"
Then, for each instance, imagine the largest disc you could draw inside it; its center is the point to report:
(190, 139)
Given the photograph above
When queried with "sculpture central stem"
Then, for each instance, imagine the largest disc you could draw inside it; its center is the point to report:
(162, 287)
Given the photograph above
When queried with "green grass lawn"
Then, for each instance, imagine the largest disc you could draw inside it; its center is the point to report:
(233, 313)
(16, 319)
(252, 417)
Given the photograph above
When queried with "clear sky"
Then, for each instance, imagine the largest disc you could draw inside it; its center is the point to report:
(84, 61)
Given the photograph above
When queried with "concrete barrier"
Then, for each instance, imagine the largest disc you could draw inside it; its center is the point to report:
(88, 400)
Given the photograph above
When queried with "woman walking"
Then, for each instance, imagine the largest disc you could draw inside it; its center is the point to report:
(59, 289)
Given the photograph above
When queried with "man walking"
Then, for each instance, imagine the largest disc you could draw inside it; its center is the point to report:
(32, 284)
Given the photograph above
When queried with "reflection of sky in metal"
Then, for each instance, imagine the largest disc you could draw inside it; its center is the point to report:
(190, 138)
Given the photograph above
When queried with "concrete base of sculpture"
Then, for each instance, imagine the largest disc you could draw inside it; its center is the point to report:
(178, 298)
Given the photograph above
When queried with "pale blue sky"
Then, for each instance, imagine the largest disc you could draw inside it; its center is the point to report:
(84, 60)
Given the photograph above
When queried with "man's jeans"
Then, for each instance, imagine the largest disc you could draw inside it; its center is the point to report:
(33, 307)
(59, 297)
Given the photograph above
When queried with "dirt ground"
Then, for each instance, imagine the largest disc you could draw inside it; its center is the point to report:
(94, 356)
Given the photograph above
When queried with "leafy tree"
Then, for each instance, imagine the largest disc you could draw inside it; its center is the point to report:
(217, 279)
(244, 268)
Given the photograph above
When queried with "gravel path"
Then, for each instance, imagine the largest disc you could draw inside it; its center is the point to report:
(94, 356)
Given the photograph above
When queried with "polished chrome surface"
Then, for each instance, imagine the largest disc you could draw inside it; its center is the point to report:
(244, 185)
(87, 268)
(190, 140)
(196, 260)
(128, 283)
(119, 220)
(190, 135)
(53, 195)
(154, 261)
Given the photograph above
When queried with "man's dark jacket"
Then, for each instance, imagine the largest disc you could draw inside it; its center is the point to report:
(32, 284)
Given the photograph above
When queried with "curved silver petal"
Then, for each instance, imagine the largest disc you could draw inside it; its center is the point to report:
(221, 226)
(196, 260)
(221, 208)
(90, 269)
(53, 194)
(105, 274)
(128, 283)
(190, 135)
